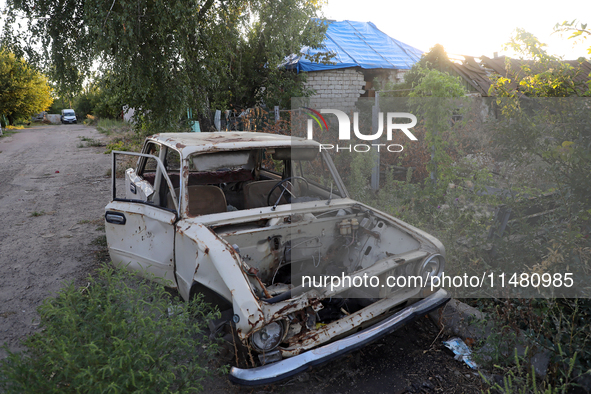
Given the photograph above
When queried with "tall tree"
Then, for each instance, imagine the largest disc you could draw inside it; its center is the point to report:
(167, 56)
(23, 90)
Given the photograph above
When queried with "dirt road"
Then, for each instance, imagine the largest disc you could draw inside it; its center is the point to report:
(52, 198)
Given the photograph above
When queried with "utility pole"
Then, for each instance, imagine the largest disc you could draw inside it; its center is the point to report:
(375, 172)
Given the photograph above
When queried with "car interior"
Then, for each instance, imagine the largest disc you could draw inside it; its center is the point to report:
(242, 179)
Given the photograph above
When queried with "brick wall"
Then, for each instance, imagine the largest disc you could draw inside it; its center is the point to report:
(338, 89)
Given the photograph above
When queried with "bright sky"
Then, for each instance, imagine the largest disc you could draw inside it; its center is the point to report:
(465, 27)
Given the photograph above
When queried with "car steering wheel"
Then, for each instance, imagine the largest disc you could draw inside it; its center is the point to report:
(280, 183)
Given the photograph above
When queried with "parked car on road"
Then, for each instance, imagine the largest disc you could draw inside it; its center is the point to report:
(68, 116)
(247, 219)
(38, 117)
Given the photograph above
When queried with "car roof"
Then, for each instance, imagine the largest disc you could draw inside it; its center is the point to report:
(189, 143)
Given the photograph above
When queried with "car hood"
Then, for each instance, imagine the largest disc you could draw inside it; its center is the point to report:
(218, 220)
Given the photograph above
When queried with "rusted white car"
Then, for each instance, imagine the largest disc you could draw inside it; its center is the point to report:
(262, 225)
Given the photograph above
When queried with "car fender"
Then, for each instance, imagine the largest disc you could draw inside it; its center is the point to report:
(203, 257)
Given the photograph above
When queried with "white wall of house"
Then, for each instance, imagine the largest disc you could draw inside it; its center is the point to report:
(337, 89)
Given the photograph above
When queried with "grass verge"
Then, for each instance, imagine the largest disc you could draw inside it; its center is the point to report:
(121, 135)
(89, 142)
(117, 334)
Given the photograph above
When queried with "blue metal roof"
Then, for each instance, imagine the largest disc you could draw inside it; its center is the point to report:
(357, 44)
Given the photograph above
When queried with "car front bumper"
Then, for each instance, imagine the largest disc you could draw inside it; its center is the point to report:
(290, 366)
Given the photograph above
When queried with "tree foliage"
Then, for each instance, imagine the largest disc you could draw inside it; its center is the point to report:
(281, 28)
(578, 30)
(167, 56)
(100, 98)
(435, 59)
(23, 90)
(539, 73)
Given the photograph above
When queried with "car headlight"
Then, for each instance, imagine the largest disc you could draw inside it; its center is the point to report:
(431, 266)
(268, 337)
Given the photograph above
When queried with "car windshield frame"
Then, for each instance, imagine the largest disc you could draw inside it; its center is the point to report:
(260, 165)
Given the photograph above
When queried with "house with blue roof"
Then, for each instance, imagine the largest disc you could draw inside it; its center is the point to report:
(362, 52)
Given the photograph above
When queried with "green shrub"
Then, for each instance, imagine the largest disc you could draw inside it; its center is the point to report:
(119, 145)
(118, 334)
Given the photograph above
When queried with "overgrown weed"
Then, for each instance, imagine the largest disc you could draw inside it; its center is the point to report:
(121, 135)
(116, 334)
(111, 126)
(89, 142)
